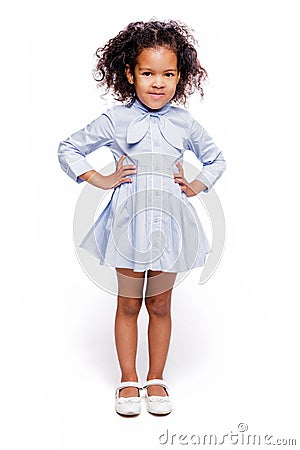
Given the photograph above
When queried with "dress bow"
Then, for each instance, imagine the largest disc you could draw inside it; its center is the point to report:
(138, 128)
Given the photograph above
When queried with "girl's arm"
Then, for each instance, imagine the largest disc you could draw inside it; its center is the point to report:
(72, 151)
(208, 154)
(121, 175)
(197, 186)
(93, 177)
(190, 188)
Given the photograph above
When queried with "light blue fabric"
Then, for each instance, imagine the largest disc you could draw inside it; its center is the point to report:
(148, 223)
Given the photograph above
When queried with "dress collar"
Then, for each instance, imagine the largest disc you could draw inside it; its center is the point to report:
(138, 127)
(153, 112)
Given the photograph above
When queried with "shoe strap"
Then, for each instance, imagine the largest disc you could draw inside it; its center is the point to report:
(156, 381)
(124, 384)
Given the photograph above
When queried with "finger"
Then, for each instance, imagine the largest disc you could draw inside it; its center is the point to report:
(127, 170)
(180, 180)
(123, 180)
(127, 166)
(178, 175)
(119, 163)
(180, 168)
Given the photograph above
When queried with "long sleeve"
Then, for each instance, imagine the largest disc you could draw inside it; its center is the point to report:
(212, 159)
(72, 151)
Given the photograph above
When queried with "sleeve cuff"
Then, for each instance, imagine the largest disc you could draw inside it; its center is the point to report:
(204, 180)
(78, 168)
(210, 173)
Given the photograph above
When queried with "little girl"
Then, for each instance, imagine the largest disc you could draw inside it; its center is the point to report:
(149, 226)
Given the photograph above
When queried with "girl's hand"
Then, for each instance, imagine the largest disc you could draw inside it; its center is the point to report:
(190, 189)
(119, 176)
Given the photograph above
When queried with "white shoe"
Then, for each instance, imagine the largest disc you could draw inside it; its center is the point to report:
(157, 404)
(128, 406)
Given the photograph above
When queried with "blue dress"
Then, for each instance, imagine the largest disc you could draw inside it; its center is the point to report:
(149, 223)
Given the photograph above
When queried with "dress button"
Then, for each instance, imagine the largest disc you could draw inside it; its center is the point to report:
(156, 220)
(156, 193)
(156, 168)
(156, 142)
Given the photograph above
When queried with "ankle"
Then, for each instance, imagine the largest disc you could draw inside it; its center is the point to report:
(129, 377)
(154, 376)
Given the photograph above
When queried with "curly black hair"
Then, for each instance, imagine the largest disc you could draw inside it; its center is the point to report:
(109, 71)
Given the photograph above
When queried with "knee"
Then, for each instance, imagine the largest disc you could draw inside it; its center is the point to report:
(158, 305)
(129, 306)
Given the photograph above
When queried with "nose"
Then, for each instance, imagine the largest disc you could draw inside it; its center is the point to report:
(158, 81)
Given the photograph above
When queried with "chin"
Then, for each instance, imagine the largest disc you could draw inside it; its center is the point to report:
(156, 104)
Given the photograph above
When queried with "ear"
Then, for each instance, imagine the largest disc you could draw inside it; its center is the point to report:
(129, 74)
(178, 77)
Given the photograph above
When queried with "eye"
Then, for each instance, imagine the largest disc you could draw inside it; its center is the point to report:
(170, 74)
(147, 74)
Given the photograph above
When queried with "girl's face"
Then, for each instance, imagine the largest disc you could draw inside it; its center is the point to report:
(155, 76)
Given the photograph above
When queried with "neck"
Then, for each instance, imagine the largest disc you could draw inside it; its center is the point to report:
(146, 108)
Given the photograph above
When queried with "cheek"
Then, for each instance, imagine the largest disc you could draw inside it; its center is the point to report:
(175, 84)
(142, 84)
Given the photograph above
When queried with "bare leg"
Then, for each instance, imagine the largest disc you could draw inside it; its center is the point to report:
(158, 303)
(130, 297)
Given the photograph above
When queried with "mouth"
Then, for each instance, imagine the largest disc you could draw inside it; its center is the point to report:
(156, 94)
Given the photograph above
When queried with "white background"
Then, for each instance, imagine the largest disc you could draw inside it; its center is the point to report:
(234, 352)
